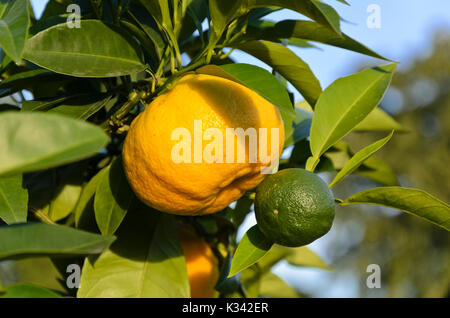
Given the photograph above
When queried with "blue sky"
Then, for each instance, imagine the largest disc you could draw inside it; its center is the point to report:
(406, 31)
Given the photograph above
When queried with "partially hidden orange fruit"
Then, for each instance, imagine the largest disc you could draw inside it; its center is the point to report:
(195, 113)
(202, 265)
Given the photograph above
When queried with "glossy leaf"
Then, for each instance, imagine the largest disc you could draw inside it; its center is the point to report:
(35, 141)
(287, 64)
(307, 30)
(14, 25)
(344, 104)
(259, 80)
(412, 201)
(251, 248)
(313, 9)
(41, 239)
(77, 52)
(146, 261)
(25, 290)
(112, 198)
(359, 158)
(13, 200)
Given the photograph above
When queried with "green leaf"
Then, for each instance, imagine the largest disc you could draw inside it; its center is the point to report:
(14, 25)
(313, 9)
(146, 261)
(378, 171)
(77, 52)
(13, 200)
(413, 201)
(378, 120)
(273, 286)
(287, 64)
(83, 106)
(259, 80)
(84, 212)
(306, 30)
(343, 105)
(64, 203)
(251, 248)
(112, 198)
(41, 239)
(359, 158)
(21, 79)
(303, 256)
(223, 12)
(35, 141)
(159, 10)
(24, 290)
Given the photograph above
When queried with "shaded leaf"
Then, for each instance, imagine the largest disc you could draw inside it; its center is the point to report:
(113, 197)
(64, 203)
(146, 261)
(23, 290)
(84, 212)
(41, 239)
(412, 201)
(13, 200)
(35, 141)
(14, 25)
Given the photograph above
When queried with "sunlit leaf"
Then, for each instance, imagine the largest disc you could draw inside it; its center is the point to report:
(251, 248)
(344, 104)
(77, 51)
(412, 201)
(287, 64)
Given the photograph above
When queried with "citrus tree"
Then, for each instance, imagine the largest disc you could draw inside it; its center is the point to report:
(86, 173)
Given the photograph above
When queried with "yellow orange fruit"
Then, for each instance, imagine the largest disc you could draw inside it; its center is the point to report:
(196, 186)
(202, 265)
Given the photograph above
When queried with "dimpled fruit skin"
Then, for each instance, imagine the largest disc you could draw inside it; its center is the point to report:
(202, 265)
(294, 207)
(196, 188)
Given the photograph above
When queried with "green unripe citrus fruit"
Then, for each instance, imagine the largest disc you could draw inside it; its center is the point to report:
(294, 207)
